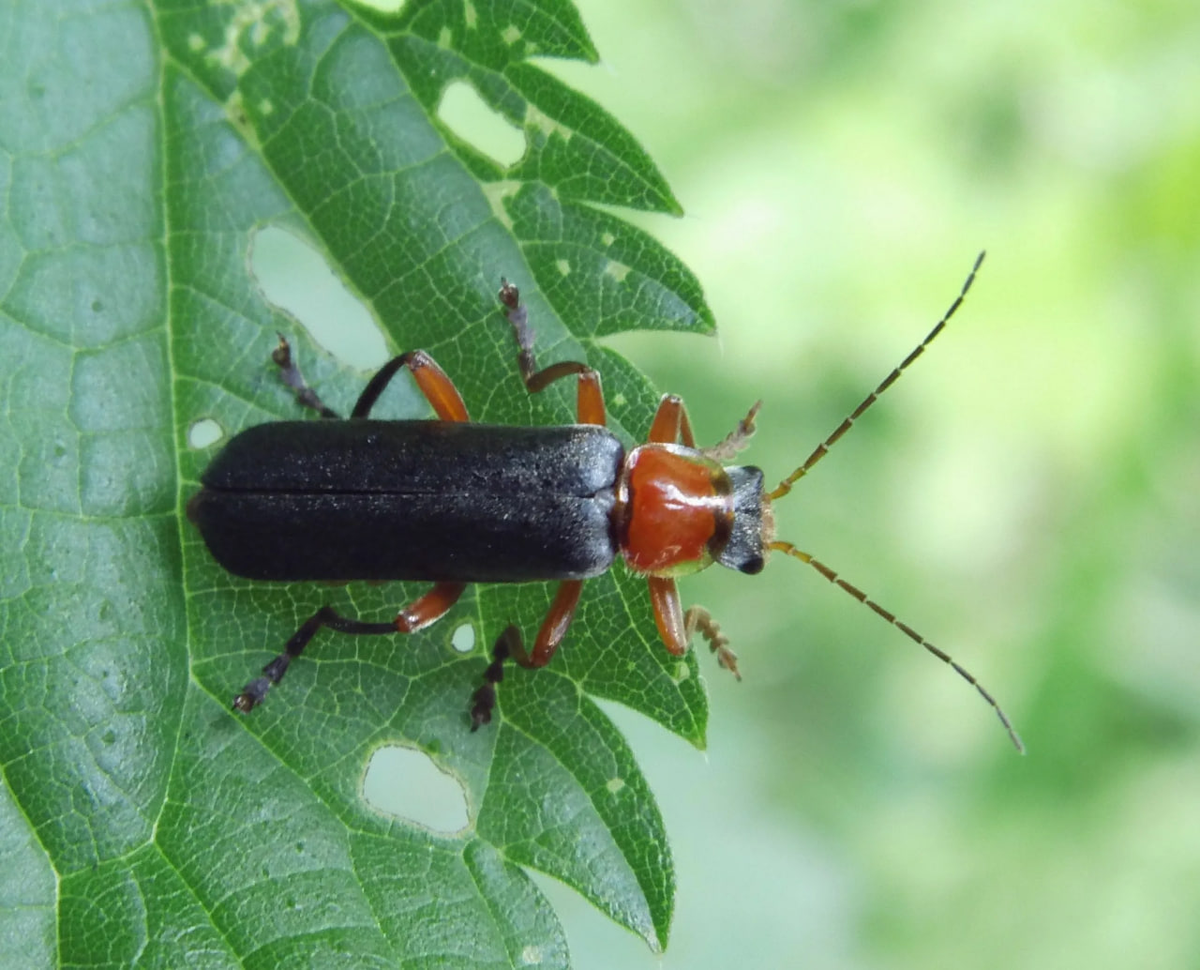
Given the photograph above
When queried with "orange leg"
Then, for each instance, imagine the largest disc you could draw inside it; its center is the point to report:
(557, 622)
(668, 614)
(554, 628)
(429, 608)
(431, 380)
(510, 644)
(675, 627)
(590, 398)
(425, 610)
(671, 424)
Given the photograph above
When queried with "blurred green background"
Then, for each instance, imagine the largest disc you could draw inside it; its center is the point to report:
(1026, 496)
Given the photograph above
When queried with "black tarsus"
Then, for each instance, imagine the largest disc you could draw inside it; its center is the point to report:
(535, 380)
(290, 374)
(483, 701)
(255, 691)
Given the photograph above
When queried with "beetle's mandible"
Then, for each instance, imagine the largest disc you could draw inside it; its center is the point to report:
(454, 502)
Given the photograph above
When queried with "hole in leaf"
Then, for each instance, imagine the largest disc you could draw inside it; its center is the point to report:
(203, 433)
(407, 783)
(296, 278)
(469, 117)
(463, 638)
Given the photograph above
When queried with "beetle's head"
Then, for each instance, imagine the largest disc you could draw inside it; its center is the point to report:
(752, 525)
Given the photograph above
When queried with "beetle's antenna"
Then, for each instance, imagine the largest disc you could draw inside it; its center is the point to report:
(790, 550)
(786, 485)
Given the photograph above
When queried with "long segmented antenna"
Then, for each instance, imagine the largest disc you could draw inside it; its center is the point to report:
(786, 485)
(788, 549)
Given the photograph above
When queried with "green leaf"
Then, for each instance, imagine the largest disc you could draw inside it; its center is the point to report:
(145, 145)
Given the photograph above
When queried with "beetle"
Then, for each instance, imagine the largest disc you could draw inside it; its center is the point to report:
(454, 502)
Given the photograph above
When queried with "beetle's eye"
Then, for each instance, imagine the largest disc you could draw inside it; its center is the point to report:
(752, 566)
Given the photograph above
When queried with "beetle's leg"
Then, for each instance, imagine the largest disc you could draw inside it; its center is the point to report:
(671, 424)
(590, 399)
(510, 644)
(736, 440)
(676, 627)
(668, 614)
(425, 610)
(290, 374)
(698, 618)
(483, 702)
(555, 626)
(518, 316)
(254, 692)
(429, 608)
(431, 380)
